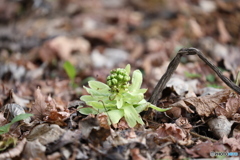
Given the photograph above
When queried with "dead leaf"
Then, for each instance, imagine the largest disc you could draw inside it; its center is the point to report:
(174, 112)
(67, 138)
(53, 104)
(39, 108)
(204, 105)
(224, 35)
(34, 149)
(45, 133)
(169, 129)
(57, 117)
(103, 120)
(14, 152)
(232, 142)
(136, 155)
(87, 124)
(183, 123)
(196, 28)
(231, 108)
(203, 149)
(178, 85)
(64, 46)
(22, 102)
(220, 126)
(156, 58)
(106, 34)
(12, 110)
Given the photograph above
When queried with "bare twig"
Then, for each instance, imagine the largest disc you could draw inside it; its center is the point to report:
(157, 92)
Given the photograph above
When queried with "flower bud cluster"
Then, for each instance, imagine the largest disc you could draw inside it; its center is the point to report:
(118, 79)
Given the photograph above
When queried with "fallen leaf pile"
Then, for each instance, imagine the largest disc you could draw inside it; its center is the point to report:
(38, 37)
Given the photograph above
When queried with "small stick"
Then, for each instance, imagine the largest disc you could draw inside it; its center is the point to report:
(157, 92)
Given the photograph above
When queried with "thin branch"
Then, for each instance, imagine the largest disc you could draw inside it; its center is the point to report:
(157, 92)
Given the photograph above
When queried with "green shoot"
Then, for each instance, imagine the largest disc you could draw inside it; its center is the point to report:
(192, 75)
(71, 71)
(118, 98)
(5, 129)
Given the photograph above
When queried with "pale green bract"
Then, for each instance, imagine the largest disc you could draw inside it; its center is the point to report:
(118, 98)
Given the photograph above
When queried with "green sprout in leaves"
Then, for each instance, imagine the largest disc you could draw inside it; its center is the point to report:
(118, 98)
(71, 72)
(5, 129)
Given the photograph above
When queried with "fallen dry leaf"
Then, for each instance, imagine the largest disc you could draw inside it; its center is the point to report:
(232, 142)
(57, 117)
(12, 110)
(64, 46)
(203, 149)
(34, 149)
(45, 133)
(14, 152)
(231, 108)
(224, 35)
(169, 129)
(136, 155)
(22, 102)
(39, 108)
(220, 126)
(196, 28)
(236, 132)
(204, 105)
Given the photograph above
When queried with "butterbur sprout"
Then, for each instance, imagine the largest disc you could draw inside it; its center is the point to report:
(119, 98)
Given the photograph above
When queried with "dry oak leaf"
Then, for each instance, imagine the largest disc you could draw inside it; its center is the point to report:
(34, 149)
(39, 108)
(136, 155)
(236, 132)
(63, 47)
(220, 126)
(204, 105)
(232, 142)
(45, 133)
(203, 149)
(231, 108)
(169, 129)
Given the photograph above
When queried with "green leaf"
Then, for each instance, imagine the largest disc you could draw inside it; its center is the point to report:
(136, 81)
(87, 98)
(157, 108)
(95, 92)
(5, 128)
(141, 107)
(115, 115)
(192, 75)
(7, 142)
(131, 116)
(133, 98)
(87, 110)
(98, 85)
(119, 100)
(128, 68)
(95, 104)
(21, 117)
(70, 70)
(210, 78)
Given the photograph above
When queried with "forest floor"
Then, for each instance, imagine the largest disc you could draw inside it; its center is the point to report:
(49, 50)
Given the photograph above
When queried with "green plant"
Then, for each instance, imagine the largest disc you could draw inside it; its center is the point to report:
(210, 78)
(118, 98)
(6, 127)
(7, 142)
(71, 71)
(192, 75)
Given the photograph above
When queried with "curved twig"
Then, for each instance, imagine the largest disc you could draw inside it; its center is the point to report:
(157, 92)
